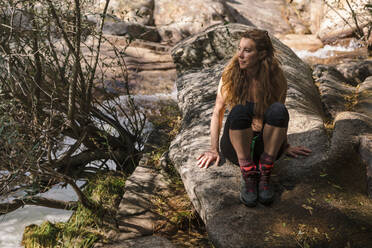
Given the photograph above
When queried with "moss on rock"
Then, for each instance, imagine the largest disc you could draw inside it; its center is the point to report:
(85, 226)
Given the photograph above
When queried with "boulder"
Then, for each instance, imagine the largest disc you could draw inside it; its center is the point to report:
(356, 72)
(364, 101)
(352, 141)
(139, 11)
(352, 130)
(307, 42)
(178, 19)
(365, 152)
(271, 15)
(133, 30)
(336, 95)
(334, 19)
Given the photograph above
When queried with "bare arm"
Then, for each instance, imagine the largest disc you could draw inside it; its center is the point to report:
(205, 159)
(217, 117)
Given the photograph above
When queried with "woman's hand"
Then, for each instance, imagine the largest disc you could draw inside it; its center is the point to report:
(207, 158)
(294, 151)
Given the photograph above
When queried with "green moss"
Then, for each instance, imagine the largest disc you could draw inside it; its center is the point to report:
(85, 226)
(44, 235)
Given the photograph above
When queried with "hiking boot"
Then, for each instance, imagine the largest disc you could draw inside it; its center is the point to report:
(265, 190)
(248, 187)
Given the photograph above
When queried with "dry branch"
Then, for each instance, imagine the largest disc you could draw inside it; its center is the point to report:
(37, 201)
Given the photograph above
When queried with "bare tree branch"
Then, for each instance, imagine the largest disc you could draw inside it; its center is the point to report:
(37, 201)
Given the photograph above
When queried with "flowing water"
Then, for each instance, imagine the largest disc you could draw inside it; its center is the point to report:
(333, 54)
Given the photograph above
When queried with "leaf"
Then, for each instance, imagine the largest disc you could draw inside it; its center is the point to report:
(336, 186)
(326, 235)
(316, 230)
(323, 175)
(309, 208)
(306, 245)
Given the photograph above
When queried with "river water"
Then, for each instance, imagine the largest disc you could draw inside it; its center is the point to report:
(13, 224)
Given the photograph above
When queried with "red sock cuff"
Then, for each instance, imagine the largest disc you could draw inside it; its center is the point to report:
(247, 164)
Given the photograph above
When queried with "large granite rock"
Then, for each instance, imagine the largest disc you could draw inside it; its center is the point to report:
(335, 93)
(352, 134)
(133, 30)
(178, 19)
(139, 11)
(364, 101)
(269, 15)
(303, 185)
(355, 72)
(334, 19)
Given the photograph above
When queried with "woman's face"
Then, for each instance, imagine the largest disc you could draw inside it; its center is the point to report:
(247, 53)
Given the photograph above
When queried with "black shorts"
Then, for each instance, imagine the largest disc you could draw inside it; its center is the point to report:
(240, 117)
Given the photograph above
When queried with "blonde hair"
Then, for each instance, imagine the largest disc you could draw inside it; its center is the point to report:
(272, 86)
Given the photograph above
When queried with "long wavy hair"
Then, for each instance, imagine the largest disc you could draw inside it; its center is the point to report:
(272, 86)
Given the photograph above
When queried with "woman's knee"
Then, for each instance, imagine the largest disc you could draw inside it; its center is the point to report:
(240, 117)
(277, 115)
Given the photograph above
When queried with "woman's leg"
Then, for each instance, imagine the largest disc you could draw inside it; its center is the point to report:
(241, 141)
(274, 135)
(240, 131)
(273, 138)
(240, 136)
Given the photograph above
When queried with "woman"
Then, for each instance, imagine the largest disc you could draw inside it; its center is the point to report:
(254, 88)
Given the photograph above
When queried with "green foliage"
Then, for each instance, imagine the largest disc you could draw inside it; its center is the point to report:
(44, 235)
(105, 190)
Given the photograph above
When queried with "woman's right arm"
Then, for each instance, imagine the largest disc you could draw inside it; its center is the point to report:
(208, 157)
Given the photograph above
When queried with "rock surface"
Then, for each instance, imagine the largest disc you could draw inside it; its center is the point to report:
(268, 15)
(355, 72)
(151, 68)
(336, 18)
(307, 42)
(336, 94)
(145, 242)
(178, 19)
(215, 192)
(133, 30)
(136, 216)
(139, 11)
(364, 101)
